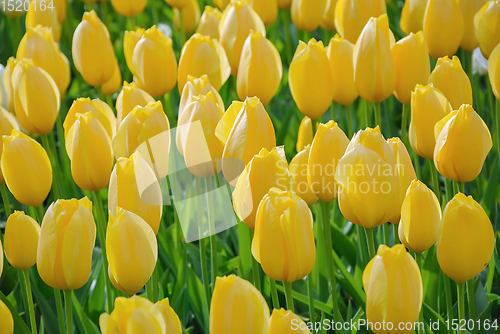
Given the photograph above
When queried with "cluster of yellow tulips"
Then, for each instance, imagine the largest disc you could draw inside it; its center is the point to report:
(72, 128)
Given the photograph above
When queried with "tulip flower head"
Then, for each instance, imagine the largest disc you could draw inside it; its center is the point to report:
(129, 97)
(21, 240)
(46, 18)
(298, 170)
(99, 109)
(197, 86)
(7, 83)
(266, 9)
(179, 4)
(308, 15)
(7, 123)
(5, 316)
(328, 20)
(494, 71)
(305, 135)
(282, 321)
(110, 87)
(284, 4)
(209, 22)
(130, 40)
(487, 23)
(469, 9)
(412, 16)
(190, 17)
(351, 16)
(129, 8)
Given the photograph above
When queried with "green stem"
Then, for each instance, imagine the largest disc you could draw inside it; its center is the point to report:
(289, 296)
(491, 274)
(69, 310)
(5, 198)
(24, 293)
(60, 312)
(39, 213)
(461, 187)
(213, 235)
(55, 174)
(363, 245)
(435, 180)
(204, 274)
(131, 21)
(314, 125)
(16, 34)
(461, 304)
(404, 123)
(385, 228)
(349, 121)
(367, 113)
(149, 290)
(497, 126)
(418, 259)
(332, 107)
(416, 160)
(256, 273)
(378, 115)
(31, 309)
(396, 234)
(274, 294)
(154, 284)
(472, 304)
(449, 303)
(371, 242)
(288, 43)
(311, 298)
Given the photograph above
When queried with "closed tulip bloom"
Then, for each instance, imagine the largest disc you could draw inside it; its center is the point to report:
(21, 240)
(197, 86)
(129, 8)
(494, 71)
(462, 144)
(227, 121)
(282, 321)
(428, 106)
(466, 239)
(114, 84)
(67, 239)
(154, 62)
(209, 22)
(328, 147)
(171, 319)
(26, 169)
(420, 218)
(7, 83)
(284, 223)
(412, 65)
(284, 4)
(487, 23)
(266, 170)
(469, 8)
(266, 9)
(374, 68)
(328, 21)
(92, 50)
(36, 97)
(222, 4)
(251, 121)
(391, 272)
(130, 40)
(99, 109)
(298, 170)
(310, 79)
(368, 180)
(202, 55)
(130, 97)
(340, 52)
(132, 251)
(443, 34)
(351, 16)
(449, 77)
(260, 69)
(305, 135)
(308, 14)
(179, 4)
(7, 123)
(412, 16)
(237, 21)
(5, 316)
(252, 315)
(60, 6)
(190, 17)
(39, 45)
(46, 18)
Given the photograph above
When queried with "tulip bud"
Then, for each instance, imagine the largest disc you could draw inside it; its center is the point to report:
(129, 8)
(374, 68)
(284, 216)
(266, 9)
(154, 62)
(298, 170)
(328, 147)
(190, 17)
(412, 65)
(340, 52)
(305, 136)
(412, 16)
(140, 125)
(214, 62)
(67, 239)
(197, 86)
(21, 240)
(112, 86)
(462, 144)
(469, 8)
(237, 21)
(238, 151)
(310, 79)
(308, 14)
(487, 23)
(368, 180)
(26, 169)
(494, 71)
(129, 97)
(466, 239)
(5, 316)
(351, 16)
(132, 251)
(443, 34)
(7, 83)
(99, 109)
(391, 272)
(227, 121)
(39, 45)
(92, 50)
(60, 6)
(282, 321)
(260, 69)
(428, 106)
(222, 4)
(266, 170)
(420, 218)
(171, 319)
(130, 40)
(209, 22)
(36, 97)
(284, 4)
(449, 77)
(46, 18)
(7, 123)
(179, 4)
(253, 311)
(328, 20)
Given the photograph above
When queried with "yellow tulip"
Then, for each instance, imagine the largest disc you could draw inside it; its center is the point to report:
(368, 180)
(412, 16)
(26, 169)
(13, 10)
(223, 129)
(351, 16)
(469, 8)
(282, 321)
(138, 314)
(260, 69)
(129, 7)
(284, 4)
(214, 62)
(266, 9)
(39, 45)
(222, 4)
(92, 50)
(194, 87)
(237, 21)
(328, 20)
(140, 125)
(310, 79)
(60, 6)
(374, 68)
(67, 239)
(21, 240)
(340, 52)
(308, 14)
(266, 170)
(305, 135)
(179, 4)
(487, 24)
(5, 316)
(466, 239)
(154, 62)
(209, 22)
(110, 87)
(130, 40)
(391, 272)
(7, 83)
(420, 218)
(129, 97)
(250, 120)
(328, 147)
(190, 17)
(250, 317)
(462, 144)
(99, 109)
(7, 123)
(443, 34)
(298, 170)
(449, 77)
(46, 18)
(428, 106)
(36, 97)
(494, 71)
(132, 251)
(412, 65)
(283, 216)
